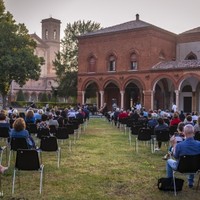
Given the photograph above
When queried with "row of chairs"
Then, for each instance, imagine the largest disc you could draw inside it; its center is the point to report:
(188, 164)
(30, 159)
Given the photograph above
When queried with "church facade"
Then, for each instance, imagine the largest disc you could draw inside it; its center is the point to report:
(47, 47)
(139, 62)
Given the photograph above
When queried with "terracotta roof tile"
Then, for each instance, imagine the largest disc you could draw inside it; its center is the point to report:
(177, 64)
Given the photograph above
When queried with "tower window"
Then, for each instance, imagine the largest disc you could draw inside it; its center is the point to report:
(54, 34)
(46, 34)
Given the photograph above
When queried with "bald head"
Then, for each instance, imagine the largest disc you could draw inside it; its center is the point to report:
(188, 130)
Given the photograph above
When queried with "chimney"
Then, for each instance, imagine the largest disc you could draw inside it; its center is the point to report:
(137, 17)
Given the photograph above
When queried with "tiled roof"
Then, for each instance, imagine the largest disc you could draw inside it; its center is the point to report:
(183, 64)
(121, 27)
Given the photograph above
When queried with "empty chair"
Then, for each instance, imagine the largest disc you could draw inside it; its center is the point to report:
(27, 160)
(63, 134)
(188, 164)
(50, 144)
(144, 134)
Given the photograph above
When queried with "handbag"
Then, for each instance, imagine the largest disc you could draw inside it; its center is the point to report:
(167, 184)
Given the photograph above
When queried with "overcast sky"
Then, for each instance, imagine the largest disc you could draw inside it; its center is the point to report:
(176, 16)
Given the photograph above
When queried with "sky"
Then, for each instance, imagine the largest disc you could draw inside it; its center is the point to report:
(175, 16)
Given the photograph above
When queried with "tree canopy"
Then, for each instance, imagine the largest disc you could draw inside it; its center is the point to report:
(66, 62)
(17, 59)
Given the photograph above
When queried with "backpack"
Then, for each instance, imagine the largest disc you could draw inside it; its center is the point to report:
(167, 184)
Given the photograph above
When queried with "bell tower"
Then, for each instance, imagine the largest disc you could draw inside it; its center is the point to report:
(51, 36)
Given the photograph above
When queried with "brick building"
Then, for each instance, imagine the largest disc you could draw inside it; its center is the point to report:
(139, 62)
(47, 46)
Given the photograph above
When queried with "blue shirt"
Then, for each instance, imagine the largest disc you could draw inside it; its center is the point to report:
(23, 134)
(188, 147)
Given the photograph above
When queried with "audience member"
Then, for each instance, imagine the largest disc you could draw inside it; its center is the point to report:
(19, 131)
(187, 147)
(175, 120)
(29, 117)
(176, 138)
(160, 126)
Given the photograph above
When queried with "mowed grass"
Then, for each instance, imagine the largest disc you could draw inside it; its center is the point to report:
(101, 166)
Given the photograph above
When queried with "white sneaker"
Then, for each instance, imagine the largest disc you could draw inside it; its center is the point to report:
(157, 149)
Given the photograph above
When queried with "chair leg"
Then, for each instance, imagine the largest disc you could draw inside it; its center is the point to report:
(13, 183)
(198, 182)
(41, 178)
(174, 184)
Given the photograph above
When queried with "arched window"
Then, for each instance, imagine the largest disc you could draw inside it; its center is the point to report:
(92, 64)
(112, 63)
(133, 62)
(161, 55)
(191, 56)
(46, 34)
(54, 34)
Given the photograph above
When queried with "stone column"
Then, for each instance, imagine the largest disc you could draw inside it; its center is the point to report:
(83, 97)
(122, 99)
(102, 98)
(177, 100)
(152, 99)
(148, 99)
(194, 108)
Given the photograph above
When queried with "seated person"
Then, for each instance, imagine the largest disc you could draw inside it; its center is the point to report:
(176, 138)
(29, 117)
(159, 127)
(188, 147)
(19, 131)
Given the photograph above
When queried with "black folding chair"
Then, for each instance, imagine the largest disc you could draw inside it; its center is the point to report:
(15, 144)
(162, 136)
(63, 134)
(50, 144)
(197, 135)
(144, 134)
(27, 160)
(188, 164)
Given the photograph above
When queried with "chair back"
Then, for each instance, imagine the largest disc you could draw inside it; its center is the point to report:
(197, 135)
(144, 134)
(4, 132)
(69, 128)
(62, 133)
(27, 159)
(49, 143)
(162, 135)
(43, 133)
(52, 129)
(18, 143)
(32, 128)
(189, 164)
(173, 129)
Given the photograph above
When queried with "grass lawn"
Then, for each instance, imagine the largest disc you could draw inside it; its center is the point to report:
(101, 166)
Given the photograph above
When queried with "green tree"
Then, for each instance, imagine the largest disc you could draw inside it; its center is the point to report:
(17, 60)
(20, 96)
(44, 97)
(66, 62)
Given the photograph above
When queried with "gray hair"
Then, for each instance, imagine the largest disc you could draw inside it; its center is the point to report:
(189, 129)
